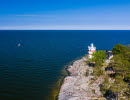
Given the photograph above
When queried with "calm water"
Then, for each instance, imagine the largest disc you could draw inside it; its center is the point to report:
(30, 72)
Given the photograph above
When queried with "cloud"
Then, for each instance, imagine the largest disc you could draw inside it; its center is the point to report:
(28, 15)
(36, 15)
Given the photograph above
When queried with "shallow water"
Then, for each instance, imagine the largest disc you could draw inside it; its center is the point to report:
(31, 71)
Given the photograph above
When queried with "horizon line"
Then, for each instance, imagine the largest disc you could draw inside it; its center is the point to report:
(62, 29)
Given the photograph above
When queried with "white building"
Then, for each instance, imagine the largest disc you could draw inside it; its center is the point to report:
(91, 49)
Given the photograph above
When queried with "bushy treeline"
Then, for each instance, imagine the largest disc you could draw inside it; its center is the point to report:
(98, 58)
(117, 82)
(120, 65)
(96, 62)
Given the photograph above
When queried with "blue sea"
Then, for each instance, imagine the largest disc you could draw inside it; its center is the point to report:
(31, 70)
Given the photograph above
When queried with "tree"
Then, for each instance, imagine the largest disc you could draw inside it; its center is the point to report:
(99, 57)
(120, 65)
(119, 86)
(117, 49)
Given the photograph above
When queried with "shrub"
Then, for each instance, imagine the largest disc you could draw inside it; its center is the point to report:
(87, 72)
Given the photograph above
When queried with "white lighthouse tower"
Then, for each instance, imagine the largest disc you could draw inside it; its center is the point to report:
(91, 49)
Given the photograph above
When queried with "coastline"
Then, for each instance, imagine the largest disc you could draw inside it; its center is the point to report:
(59, 83)
(77, 86)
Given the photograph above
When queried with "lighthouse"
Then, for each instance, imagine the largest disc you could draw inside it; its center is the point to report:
(91, 49)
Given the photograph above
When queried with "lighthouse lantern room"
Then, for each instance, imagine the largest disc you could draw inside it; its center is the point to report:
(91, 49)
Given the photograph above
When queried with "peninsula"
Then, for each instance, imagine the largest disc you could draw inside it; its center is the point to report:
(101, 75)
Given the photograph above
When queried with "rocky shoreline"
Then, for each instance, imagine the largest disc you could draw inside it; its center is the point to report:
(78, 86)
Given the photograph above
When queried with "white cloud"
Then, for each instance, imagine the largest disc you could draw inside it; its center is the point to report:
(35, 15)
(28, 15)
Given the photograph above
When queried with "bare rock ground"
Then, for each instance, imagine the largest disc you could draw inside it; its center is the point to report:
(78, 86)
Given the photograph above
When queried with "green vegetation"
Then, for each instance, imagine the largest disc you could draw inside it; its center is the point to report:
(105, 86)
(99, 57)
(117, 76)
(97, 71)
(120, 66)
(87, 72)
(93, 91)
(117, 49)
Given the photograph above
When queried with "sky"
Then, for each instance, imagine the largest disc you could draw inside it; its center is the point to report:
(64, 14)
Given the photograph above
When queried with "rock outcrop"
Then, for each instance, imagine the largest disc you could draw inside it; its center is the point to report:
(78, 86)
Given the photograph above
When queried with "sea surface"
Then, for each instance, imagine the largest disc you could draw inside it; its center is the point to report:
(31, 62)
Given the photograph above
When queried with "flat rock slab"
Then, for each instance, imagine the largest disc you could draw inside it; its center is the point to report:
(77, 85)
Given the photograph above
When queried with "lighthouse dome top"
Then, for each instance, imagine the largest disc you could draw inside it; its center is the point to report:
(92, 47)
